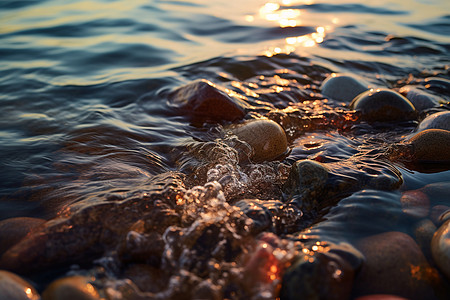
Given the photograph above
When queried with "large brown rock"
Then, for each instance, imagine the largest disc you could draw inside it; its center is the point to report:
(14, 229)
(394, 265)
(202, 100)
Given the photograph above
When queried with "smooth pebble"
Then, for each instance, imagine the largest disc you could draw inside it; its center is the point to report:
(342, 87)
(419, 98)
(415, 203)
(266, 137)
(431, 145)
(72, 287)
(440, 120)
(13, 287)
(440, 248)
(382, 105)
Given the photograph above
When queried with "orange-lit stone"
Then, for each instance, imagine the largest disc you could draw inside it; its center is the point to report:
(14, 229)
(431, 145)
(13, 287)
(73, 287)
(440, 248)
(266, 137)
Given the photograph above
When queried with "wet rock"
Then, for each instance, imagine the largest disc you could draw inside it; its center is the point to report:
(342, 87)
(14, 229)
(13, 287)
(270, 215)
(266, 137)
(383, 105)
(438, 192)
(439, 214)
(204, 101)
(394, 265)
(85, 234)
(419, 98)
(440, 120)
(306, 181)
(415, 203)
(423, 232)
(431, 145)
(440, 248)
(320, 274)
(73, 287)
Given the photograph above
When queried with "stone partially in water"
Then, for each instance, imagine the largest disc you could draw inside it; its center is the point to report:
(431, 145)
(380, 297)
(383, 105)
(439, 214)
(342, 87)
(394, 265)
(440, 248)
(423, 232)
(14, 229)
(204, 101)
(267, 139)
(306, 181)
(440, 120)
(320, 273)
(419, 98)
(73, 287)
(13, 287)
(415, 203)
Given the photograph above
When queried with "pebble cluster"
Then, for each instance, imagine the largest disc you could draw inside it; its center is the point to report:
(385, 265)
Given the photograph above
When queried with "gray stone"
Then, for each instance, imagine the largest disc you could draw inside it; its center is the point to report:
(343, 87)
(440, 120)
(419, 98)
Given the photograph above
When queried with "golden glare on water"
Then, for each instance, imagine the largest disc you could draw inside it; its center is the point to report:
(289, 14)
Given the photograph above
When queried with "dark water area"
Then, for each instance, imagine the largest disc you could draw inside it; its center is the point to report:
(88, 120)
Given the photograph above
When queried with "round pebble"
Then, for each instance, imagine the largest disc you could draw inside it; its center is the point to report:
(73, 287)
(415, 203)
(440, 120)
(423, 232)
(390, 259)
(380, 297)
(419, 98)
(431, 145)
(14, 229)
(13, 287)
(342, 87)
(440, 248)
(383, 106)
(266, 137)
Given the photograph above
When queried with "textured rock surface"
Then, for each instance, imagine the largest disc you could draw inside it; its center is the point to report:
(14, 229)
(431, 145)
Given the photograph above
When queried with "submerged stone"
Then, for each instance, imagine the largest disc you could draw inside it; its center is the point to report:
(306, 181)
(322, 273)
(394, 265)
(423, 232)
(440, 248)
(267, 139)
(415, 203)
(14, 229)
(382, 105)
(13, 287)
(342, 87)
(419, 98)
(202, 101)
(73, 287)
(440, 120)
(431, 145)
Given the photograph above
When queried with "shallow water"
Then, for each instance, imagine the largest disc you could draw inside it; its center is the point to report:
(86, 114)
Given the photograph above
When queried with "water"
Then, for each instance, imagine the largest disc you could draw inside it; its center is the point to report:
(86, 113)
